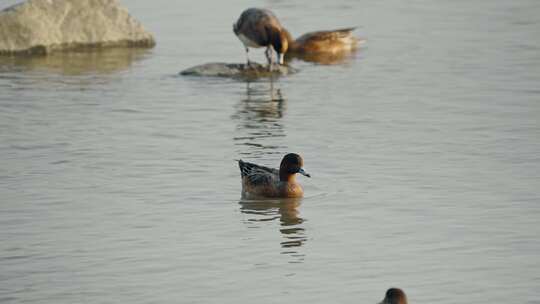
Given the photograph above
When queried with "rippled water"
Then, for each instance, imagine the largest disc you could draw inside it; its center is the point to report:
(118, 179)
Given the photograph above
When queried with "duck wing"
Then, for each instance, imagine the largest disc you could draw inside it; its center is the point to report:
(258, 175)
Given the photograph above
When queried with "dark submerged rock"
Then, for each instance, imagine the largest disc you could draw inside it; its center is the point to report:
(237, 70)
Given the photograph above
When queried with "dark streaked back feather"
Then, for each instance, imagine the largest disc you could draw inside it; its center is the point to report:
(258, 175)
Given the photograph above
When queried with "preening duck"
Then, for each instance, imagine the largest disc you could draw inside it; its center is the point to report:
(258, 28)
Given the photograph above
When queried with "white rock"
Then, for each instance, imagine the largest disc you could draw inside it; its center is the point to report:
(43, 26)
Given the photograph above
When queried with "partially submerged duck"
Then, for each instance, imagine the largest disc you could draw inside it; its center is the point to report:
(326, 47)
(258, 28)
(261, 181)
(394, 296)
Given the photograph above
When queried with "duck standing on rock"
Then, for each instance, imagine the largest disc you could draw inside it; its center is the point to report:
(258, 28)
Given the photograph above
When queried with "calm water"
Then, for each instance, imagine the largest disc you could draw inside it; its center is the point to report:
(118, 180)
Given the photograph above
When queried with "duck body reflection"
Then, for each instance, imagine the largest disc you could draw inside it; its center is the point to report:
(285, 210)
(260, 129)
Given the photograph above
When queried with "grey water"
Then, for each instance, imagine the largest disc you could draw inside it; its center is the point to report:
(118, 179)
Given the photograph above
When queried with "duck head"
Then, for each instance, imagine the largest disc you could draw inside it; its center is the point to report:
(394, 296)
(279, 41)
(290, 165)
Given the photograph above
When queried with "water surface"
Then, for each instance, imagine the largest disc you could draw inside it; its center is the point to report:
(118, 179)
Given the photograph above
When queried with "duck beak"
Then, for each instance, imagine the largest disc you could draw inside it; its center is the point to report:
(304, 173)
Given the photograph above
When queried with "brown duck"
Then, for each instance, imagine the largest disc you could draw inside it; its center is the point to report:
(260, 28)
(334, 41)
(394, 296)
(260, 181)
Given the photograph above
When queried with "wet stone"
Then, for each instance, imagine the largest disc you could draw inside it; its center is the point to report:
(238, 70)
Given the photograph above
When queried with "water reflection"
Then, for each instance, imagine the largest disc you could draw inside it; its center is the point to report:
(259, 120)
(100, 61)
(260, 212)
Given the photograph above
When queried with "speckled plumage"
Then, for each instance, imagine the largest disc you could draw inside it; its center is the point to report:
(261, 181)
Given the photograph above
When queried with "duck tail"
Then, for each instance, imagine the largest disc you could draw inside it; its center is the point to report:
(345, 30)
(244, 167)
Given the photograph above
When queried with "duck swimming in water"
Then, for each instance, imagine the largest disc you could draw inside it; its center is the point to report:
(324, 47)
(334, 41)
(258, 28)
(394, 296)
(260, 181)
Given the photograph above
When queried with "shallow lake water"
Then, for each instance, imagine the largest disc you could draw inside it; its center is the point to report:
(118, 179)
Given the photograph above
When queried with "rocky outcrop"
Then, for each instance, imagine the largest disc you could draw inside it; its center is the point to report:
(237, 70)
(44, 26)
